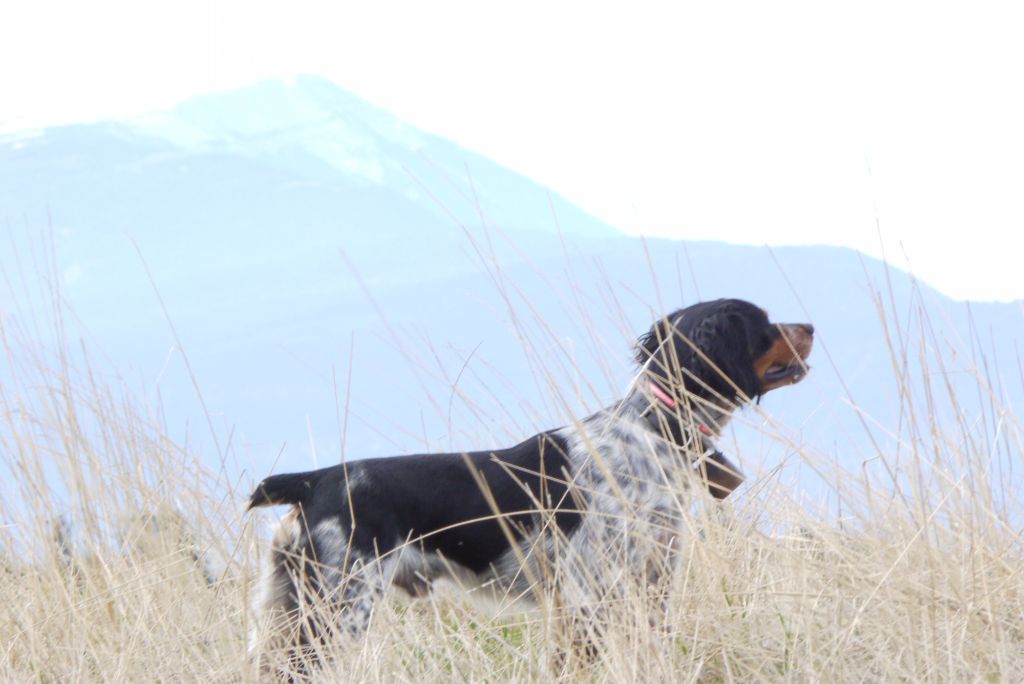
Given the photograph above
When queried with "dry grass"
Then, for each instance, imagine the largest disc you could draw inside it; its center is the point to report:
(124, 559)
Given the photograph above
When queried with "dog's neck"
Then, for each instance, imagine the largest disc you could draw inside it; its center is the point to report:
(690, 423)
(679, 417)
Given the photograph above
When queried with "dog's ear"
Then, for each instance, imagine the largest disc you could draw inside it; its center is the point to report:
(666, 352)
(653, 341)
(725, 340)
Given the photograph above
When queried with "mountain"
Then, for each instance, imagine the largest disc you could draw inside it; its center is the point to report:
(320, 259)
(261, 179)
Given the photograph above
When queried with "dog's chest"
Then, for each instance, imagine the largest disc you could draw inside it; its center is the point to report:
(623, 464)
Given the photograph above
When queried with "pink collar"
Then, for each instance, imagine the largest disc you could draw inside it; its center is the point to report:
(668, 401)
(660, 393)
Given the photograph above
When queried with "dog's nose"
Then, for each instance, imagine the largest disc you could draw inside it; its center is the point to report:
(808, 328)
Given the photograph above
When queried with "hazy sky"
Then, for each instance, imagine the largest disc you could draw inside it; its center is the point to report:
(778, 123)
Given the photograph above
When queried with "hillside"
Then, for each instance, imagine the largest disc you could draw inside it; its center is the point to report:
(282, 223)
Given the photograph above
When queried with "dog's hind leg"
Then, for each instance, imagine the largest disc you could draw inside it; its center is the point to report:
(277, 631)
(360, 591)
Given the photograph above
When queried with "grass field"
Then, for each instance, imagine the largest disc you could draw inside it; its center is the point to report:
(122, 558)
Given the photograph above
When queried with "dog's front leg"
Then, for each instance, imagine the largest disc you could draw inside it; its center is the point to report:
(721, 475)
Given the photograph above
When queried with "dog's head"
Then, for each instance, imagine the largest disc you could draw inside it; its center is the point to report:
(725, 351)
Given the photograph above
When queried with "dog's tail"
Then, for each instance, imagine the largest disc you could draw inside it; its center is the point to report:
(290, 488)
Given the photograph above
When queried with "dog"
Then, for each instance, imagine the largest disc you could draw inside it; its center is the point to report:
(534, 516)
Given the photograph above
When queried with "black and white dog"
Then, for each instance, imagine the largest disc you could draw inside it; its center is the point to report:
(540, 514)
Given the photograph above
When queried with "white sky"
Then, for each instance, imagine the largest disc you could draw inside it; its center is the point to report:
(762, 122)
